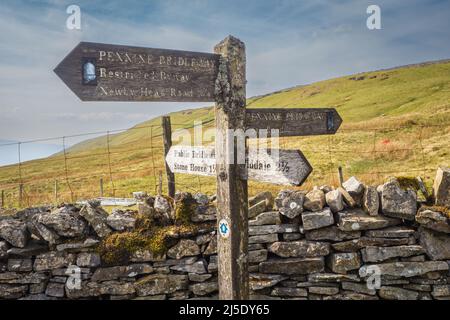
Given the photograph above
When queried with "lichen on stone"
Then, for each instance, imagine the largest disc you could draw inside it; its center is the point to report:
(222, 85)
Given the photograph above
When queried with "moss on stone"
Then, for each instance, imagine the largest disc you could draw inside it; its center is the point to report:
(143, 222)
(408, 183)
(183, 212)
(444, 210)
(117, 248)
(157, 242)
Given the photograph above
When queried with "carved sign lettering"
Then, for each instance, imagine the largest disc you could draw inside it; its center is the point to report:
(104, 72)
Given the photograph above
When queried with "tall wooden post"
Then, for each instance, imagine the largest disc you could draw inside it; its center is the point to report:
(101, 187)
(232, 193)
(20, 195)
(341, 176)
(167, 137)
(56, 192)
(3, 199)
(160, 182)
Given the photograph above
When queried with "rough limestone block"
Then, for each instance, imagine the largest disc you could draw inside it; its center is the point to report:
(257, 256)
(53, 260)
(325, 291)
(318, 219)
(20, 265)
(96, 217)
(292, 266)
(314, 200)
(335, 200)
(64, 221)
(358, 287)
(198, 267)
(184, 248)
(266, 195)
(156, 284)
(120, 220)
(274, 228)
(436, 244)
(271, 217)
(356, 219)
(355, 188)
(267, 238)
(289, 292)
(441, 187)
(395, 293)
(391, 232)
(258, 281)
(348, 200)
(433, 219)
(305, 249)
(14, 232)
(378, 254)
(398, 203)
(292, 236)
(290, 203)
(3, 250)
(359, 243)
(344, 262)
(256, 209)
(406, 269)
(55, 290)
(204, 288)
(9, 291)
(371, 201)
(331, 233)
(441, 291)
(87, 259)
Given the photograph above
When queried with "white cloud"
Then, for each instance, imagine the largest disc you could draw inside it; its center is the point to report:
(288, 43)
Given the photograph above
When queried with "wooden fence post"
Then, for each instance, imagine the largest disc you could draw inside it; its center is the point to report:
(167, 139)
(232, 192)
(56, 192)
(341, 176)
(3, 199)
(101, 187)
(160, 179)
(20, 195)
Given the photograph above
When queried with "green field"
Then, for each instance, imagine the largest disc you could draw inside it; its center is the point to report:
(396, 123)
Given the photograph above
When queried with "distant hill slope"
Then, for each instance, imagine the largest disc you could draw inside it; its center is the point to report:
(398, 102)
(414, 89)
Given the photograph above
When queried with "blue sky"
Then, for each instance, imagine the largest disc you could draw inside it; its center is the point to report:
(288, 43)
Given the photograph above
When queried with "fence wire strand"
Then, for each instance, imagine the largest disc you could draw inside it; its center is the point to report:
(30, 188)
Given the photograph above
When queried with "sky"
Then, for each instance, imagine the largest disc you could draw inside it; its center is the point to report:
(288, 43)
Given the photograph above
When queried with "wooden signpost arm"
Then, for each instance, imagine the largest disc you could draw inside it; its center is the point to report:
(167, 137)
(232, 193)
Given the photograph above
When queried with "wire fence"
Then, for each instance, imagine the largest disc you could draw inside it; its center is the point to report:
(117, 162)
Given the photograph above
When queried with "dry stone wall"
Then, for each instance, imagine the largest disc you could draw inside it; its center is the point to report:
(352, 242)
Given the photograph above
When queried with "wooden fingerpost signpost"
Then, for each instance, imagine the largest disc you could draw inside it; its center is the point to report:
(232, 197)
(104, 72)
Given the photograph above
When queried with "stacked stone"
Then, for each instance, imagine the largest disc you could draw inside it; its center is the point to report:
(352, 242)
(51, 253)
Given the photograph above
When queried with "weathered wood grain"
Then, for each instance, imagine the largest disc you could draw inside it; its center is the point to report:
(232, 192)
(125, 73)
(294, 122)
(285, 167)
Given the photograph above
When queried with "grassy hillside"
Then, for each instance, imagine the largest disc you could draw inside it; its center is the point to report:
(396, 122)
